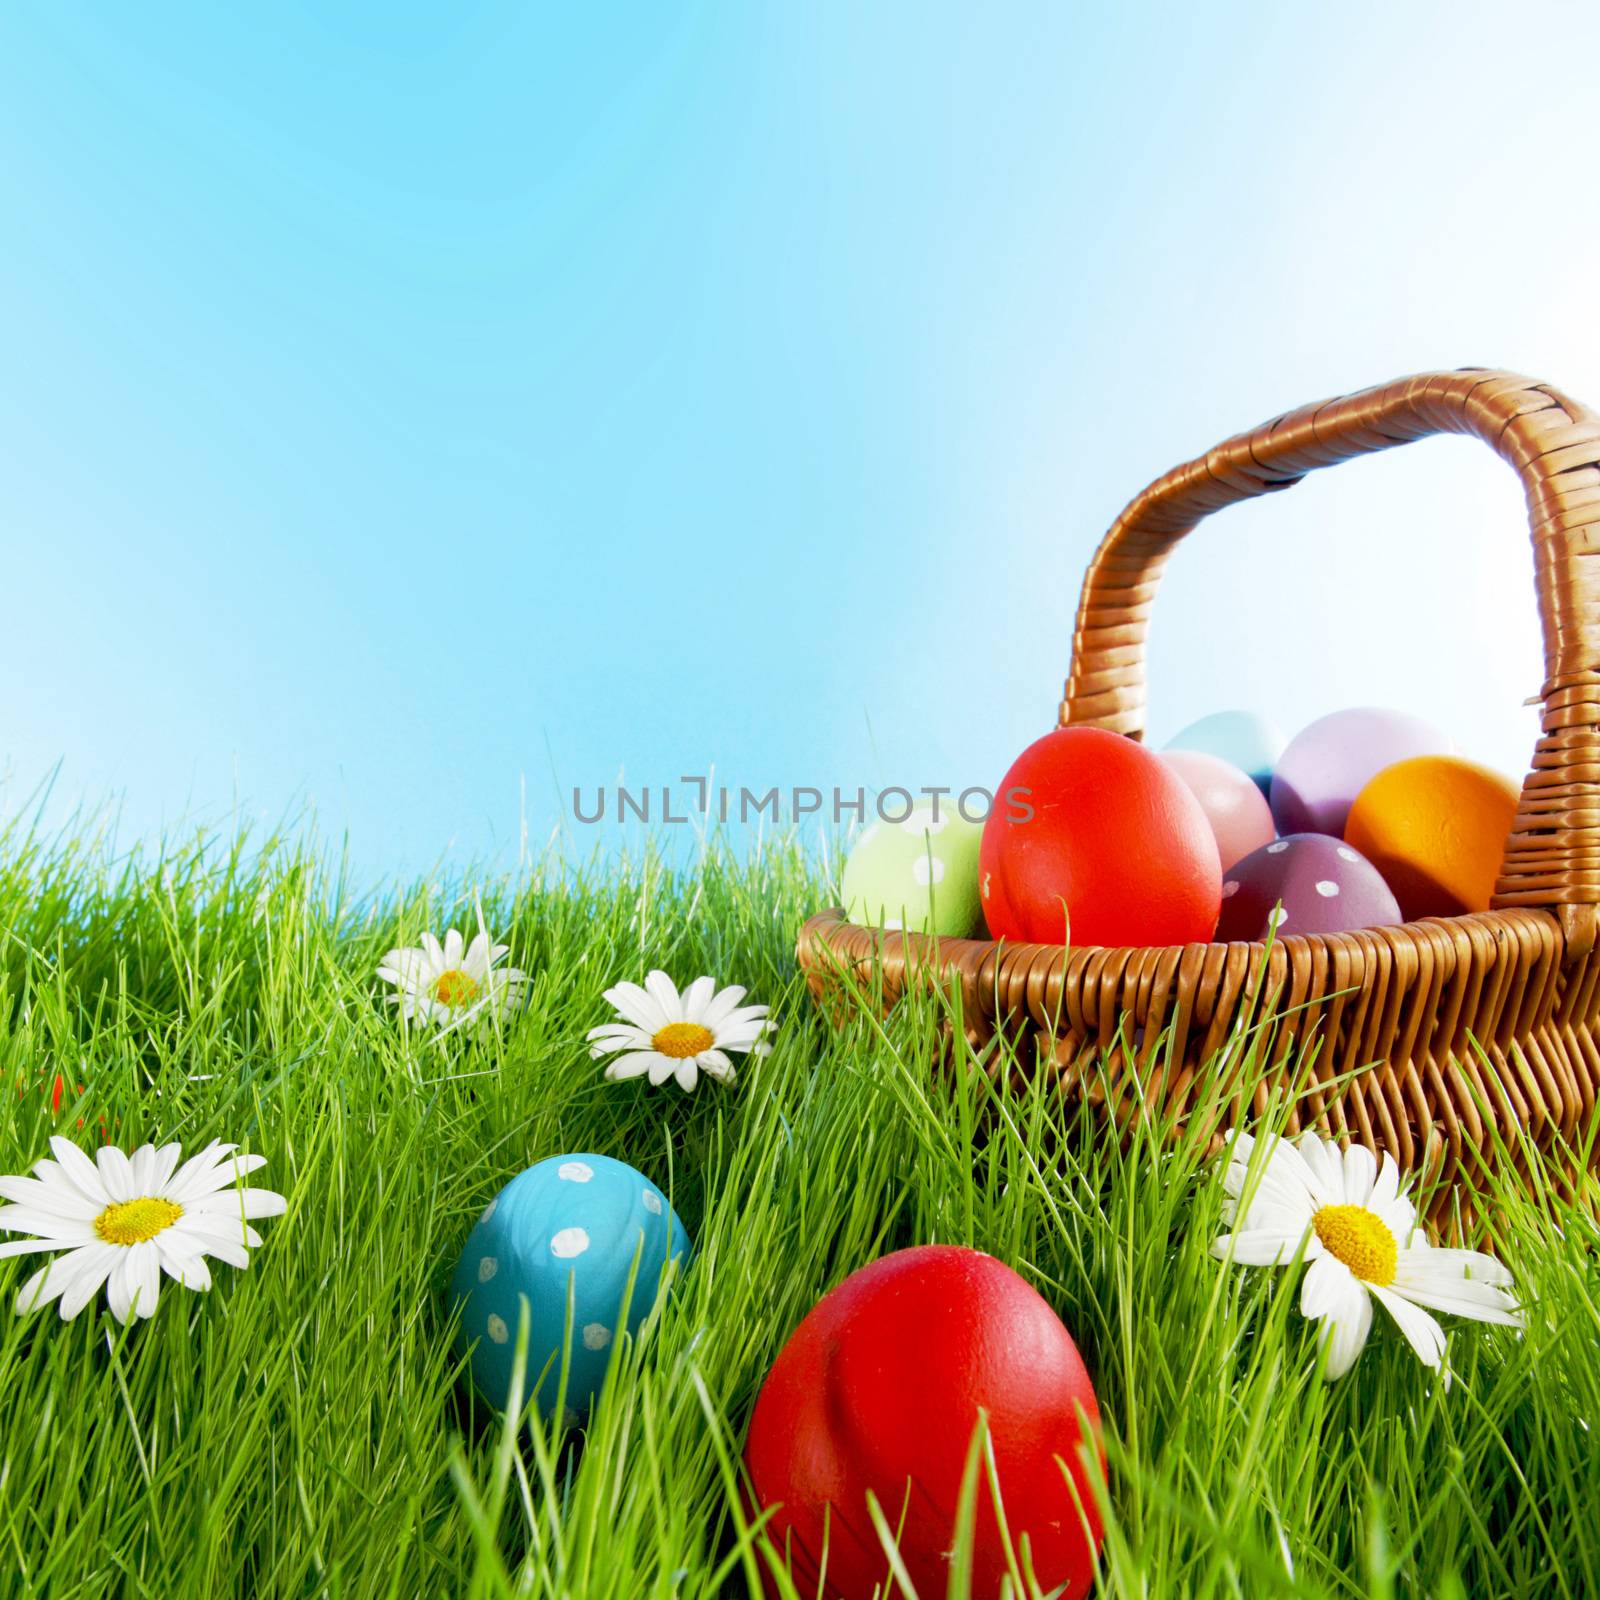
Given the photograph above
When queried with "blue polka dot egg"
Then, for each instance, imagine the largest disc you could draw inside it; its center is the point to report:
(577, 1219)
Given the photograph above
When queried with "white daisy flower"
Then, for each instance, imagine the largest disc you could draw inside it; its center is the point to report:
(1361, 1238)
(452, 984)
(666, 1035)
(121, 1221)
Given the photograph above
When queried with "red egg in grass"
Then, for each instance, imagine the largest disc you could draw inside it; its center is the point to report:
(1095, 840)
(879, 1389)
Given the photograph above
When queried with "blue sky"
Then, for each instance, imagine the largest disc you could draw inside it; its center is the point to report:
(414, 412)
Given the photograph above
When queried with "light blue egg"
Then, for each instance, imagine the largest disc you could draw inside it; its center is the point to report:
(1249, 741)
(574, 1219)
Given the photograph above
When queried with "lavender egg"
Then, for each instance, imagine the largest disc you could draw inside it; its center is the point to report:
(1327, 764)
(1307, 883)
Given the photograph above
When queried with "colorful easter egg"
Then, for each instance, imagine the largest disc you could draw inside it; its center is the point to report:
(879, 1390)
(1094, 840)
(1241, 738)
(575, 1220)
(1435, 827)
(1305, 883)
(1324, 766)
(920, 874)
(1235, 807)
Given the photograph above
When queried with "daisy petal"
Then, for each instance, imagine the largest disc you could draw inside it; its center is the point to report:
(46, 1224)
(80, 1172)
(688, 1074)
(1386, 1186)
(1262, 1247)
(721, 1007)
(696, 998)
(634, 1005)
(59, 1196)
(201, 1227)
(144, 1266)
(1481, 1302)
(631, 1066)
(1472, 1264)
(119, 1289)
(1360, 1173)
(754, 1047)
(1316, 1162)
(62, 1274)
(92, 1271)
(201, 1161)
(1443, 1285)
(716, 1064)
(1284, 1183)
(37, 1292)
(734, 1027)
(224, 1175)
(240, 1202)
(617, 1035)
(741, 1017)
(1399, 1216)
(1275, 1204)
(166, 1163)
(189, 1271)
(30, 1247)
(1345, 1327)
(1325, 1288)
(664, 992)
(116, 1173)
(231, 1251)
(1238, 1144)
(1422, 1333)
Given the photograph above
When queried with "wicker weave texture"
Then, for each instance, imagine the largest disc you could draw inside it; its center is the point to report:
(1390, 1009)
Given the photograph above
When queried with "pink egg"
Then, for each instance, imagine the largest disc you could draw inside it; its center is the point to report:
(1234, 806)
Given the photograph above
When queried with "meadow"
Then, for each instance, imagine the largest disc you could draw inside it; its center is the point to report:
(303, 1429)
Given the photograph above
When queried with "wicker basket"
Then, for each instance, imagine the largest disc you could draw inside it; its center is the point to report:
(1392, 1008)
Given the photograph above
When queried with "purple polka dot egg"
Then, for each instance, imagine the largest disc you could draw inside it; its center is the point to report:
(1305, 883)
(573, 1223)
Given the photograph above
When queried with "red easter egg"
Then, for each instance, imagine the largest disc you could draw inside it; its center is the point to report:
(1094, 840)
(879, 1389)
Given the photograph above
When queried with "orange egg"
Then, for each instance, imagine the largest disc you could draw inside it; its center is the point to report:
(1435, 827)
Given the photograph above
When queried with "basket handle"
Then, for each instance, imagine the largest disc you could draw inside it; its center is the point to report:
(1552, 857)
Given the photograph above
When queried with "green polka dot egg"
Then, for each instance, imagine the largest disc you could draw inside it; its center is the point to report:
(574, 1221)
(920, 874)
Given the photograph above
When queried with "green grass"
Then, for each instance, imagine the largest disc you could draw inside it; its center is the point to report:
(302, 1430)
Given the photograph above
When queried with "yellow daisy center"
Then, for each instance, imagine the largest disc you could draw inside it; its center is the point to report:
(134, 1221)
(455, 988)
(680, 1040)
(1359, 1238)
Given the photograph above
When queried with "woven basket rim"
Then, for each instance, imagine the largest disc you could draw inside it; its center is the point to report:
(835, 917)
